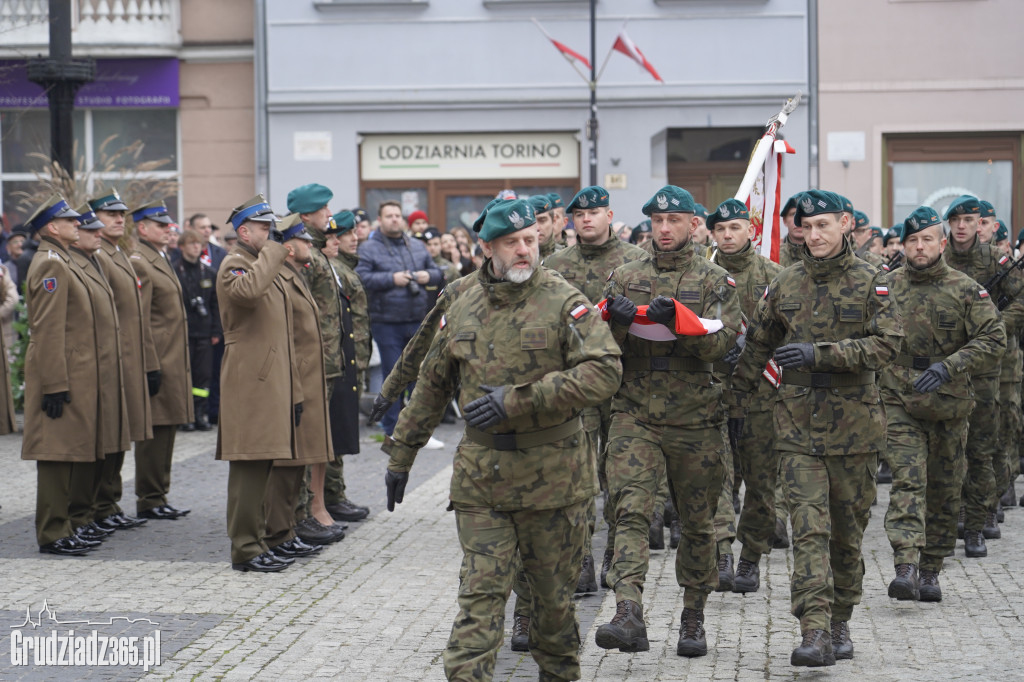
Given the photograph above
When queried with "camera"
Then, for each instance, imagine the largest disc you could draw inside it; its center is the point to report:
(199, 305)
(413, 287)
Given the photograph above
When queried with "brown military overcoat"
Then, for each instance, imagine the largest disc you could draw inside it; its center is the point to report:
(259, 376)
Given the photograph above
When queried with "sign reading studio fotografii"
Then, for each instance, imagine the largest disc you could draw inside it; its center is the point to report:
(455, 156)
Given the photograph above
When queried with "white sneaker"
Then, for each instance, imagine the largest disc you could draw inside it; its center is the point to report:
(433, 444)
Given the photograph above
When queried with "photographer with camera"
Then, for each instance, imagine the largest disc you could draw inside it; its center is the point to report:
(198, 288)
(395, 269)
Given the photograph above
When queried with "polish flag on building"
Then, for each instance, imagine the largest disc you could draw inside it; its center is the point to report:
(567, 52)
(626, 46)
(687, 323)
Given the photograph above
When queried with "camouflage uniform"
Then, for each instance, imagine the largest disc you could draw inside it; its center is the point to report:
(448, 274)
(789, 253)
(548, 345)
(1005, 461)
(872, 258)
(758, 460)
(352, 286)
(830, 424)
(981, 262)
(668, 414)
(948, 318)
(550, 246)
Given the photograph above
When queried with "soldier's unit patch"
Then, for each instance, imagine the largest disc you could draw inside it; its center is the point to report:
(982, 293)
(50, 285)
(52, 255)
(533, 338)
(579, 311)
(238, 272)
(881, 291)
(730, 281)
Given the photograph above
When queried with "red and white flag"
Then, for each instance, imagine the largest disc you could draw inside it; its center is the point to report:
(765, 199)
(567, 52)
(626, 46)
(688, 323)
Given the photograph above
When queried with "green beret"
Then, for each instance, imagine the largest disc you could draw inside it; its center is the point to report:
(479, 222)
(1020, 236)
(815, 202)
(556, 200)
(730, 209)
(790, 204)
(861, 219)
(309, 198)
(594, 196)
(643, 228)
(922, 218)
(508, 216)
(963, 205)
(345, 221)
(987, 209)
(700, 211)
(1002, 234)
(670, 199)
(847, 204)
(876, 231)
(540, 203)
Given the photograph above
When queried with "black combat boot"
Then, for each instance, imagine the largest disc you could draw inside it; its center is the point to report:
(905, 585)
(930, 590)
(814, 651)
(726, 577)
(780, 540)
(991, 530)
(999, 511)
(657, 533)
(748, 576)
(675, 527)
(1009, 498)
(974, 544)
(587, 582)
(842, 645)
(884, 473)
(606, 565)
(961, 519)
(520, 633)
(692, 642)
(627, 631)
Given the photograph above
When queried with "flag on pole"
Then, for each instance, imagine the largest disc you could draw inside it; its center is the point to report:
(570, 54)
(626, 46)
(765, 199)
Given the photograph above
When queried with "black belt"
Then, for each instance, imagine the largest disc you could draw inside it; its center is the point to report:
(665, 364)
(827, 379)
(916, 361)
(521, 441)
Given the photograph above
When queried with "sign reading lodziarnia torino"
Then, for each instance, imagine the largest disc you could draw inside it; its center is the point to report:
(456, 156)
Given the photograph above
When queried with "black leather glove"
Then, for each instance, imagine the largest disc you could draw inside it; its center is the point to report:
(735, 431)
(487, 410)
(53, 403)
(733, 356)
(297, 412)
(380, 407)
(661, 310)
(932, 378)
(276, 236)
(395, 482)
(795, 355)
(622, 310)
(154, 379)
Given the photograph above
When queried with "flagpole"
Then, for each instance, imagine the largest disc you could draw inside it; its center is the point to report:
(600, 72)
(763, 147)
(592, 122)
(569, 59)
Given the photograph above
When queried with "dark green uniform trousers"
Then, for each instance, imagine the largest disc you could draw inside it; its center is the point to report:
(153, 468)
(110, 489)
(1005, 465)
(53, 494)
(979, 490)
(638, 455)
(759, 466)
(829, 503)
(85, 482)
(247, 517)
(550, 545)
(282, 496)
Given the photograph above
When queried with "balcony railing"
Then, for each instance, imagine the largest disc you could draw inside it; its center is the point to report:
(96, 24)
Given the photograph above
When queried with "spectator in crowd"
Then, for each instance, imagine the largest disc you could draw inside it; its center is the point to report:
(198, 288)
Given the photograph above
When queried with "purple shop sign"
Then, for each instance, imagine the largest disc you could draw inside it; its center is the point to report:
(119, 83)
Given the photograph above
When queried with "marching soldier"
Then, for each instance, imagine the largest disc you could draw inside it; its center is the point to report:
(559, 219)
(61, 377)
(667, 415)
(952, 330)
(137, 349)
(752, 447)
(547, 217)
(529, 352)
(262, 396)
(981, 262)
(793, 244)
(587, 266)
(830, 323)
(170, 379)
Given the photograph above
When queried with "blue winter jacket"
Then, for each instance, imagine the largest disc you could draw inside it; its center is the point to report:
(379, 258)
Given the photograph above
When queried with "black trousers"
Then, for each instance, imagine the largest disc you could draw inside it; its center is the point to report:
(200, 352)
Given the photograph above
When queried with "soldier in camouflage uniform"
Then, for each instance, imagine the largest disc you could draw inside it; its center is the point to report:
(862, 235)
(981, 262)
(558, 219)
(667, 415)
(752, 447)
(310, 202)
(547, 218)
(830, 323)
(586, 265)
(792, 246)
(431, 239)
(352, 288)
(952, 329)
(529, 352)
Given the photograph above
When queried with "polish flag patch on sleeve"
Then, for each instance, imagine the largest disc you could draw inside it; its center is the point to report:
(730, 281)
(982, 293)
(1002, 261)
(881, 291)
(579, 311)
(444, 321)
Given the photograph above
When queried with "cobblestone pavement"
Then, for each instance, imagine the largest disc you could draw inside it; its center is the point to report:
(379, 605)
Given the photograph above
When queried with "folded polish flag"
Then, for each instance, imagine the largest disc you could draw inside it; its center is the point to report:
(687, 323)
